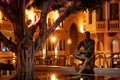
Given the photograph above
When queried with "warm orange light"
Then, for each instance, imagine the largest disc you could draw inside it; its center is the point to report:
(44, 53)
(0, 15)
(53, 39)
(69, 41)
(14, 58)
(81, 79)
(53, 15)
(82, 29)
(53, 77)
(30, 14)
(56, 14)
(56, 53)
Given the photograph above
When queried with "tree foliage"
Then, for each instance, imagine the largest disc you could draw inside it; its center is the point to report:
(12, 9)
(24, 46)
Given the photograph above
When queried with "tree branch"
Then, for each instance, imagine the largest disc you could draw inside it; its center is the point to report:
(11, 45)
(65, 14)
(28, 2)
(42, 24)
(7, 10)
(45, 10)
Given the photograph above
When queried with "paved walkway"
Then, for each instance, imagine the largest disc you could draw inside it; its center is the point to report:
(72, 70)
(100, 73)
(56, 69)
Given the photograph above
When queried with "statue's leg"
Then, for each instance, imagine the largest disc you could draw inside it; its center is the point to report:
(92, 65)
(83, 66)
(90, 69)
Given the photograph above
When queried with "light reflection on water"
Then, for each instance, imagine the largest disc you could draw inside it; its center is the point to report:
(74, 77)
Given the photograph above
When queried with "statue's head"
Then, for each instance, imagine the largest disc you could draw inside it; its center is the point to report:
(87, 34)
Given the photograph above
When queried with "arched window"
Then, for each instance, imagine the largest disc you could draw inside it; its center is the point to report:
(114, 46)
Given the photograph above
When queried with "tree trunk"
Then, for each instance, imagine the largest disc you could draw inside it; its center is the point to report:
(25, 65)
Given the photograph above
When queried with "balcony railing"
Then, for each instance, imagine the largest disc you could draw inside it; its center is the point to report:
(100, 26)
(113, 25)
(106, 60)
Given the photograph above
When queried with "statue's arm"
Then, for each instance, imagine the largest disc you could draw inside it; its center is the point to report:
(80, 45)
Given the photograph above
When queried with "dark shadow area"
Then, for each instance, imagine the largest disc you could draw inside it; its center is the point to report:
(4, 66)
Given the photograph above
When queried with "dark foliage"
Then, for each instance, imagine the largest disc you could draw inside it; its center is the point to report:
(80, 4)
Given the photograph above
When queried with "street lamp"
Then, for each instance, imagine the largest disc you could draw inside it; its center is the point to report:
(69, 41)
(53, 39)
(53, 77)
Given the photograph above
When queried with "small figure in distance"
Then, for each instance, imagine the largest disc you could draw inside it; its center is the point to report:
(86, 55)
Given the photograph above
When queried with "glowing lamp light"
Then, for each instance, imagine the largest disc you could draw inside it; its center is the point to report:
(53, 39)
(53, 77)
(69, 41)
(81, 79)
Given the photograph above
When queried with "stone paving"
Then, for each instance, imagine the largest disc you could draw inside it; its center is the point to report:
(72, 70)
(100, 73)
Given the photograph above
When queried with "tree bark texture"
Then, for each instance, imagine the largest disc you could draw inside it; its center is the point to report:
(25, 65)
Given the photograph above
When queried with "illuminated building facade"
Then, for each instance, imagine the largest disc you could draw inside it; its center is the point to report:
(107, 31)
(103, 23)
